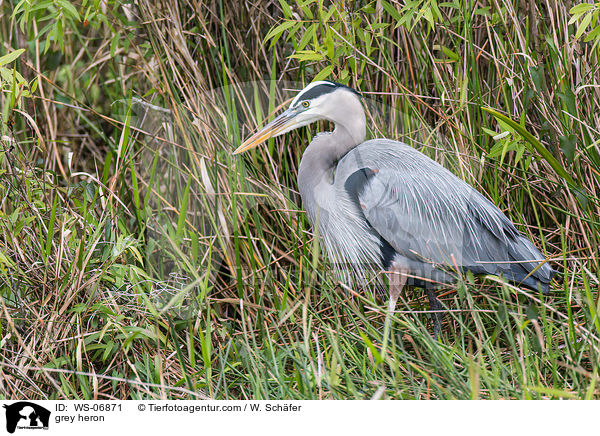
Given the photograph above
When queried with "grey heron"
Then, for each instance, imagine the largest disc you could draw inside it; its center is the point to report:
(382, 206)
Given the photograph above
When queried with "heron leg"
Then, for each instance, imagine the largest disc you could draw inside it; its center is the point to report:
(397, 280)
(436, 316)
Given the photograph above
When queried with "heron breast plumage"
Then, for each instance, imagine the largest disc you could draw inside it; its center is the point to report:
(408, 209)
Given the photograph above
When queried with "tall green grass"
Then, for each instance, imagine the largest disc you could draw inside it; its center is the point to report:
(151, 263)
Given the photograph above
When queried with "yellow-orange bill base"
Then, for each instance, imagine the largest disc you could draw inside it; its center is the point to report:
(265, 133)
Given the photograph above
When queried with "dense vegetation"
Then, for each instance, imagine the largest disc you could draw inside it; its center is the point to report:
(140, 259)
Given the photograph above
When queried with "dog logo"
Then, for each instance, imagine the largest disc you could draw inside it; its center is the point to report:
(26, 415)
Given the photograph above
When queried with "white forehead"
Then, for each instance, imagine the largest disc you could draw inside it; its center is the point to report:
(306, 90)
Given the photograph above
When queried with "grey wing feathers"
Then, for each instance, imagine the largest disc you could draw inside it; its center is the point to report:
(435, 221)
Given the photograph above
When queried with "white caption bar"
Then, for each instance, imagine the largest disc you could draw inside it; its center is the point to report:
(156, 417)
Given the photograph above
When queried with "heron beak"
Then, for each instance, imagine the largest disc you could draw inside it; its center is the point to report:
(279, 125)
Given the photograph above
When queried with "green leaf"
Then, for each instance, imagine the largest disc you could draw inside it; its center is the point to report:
(369, 9)
(593, 34)
(463, 91)
(306, 37)
(277, 31)
(183, 207)
(484, 12)
(114, 44)
(583, 25)
(305, 9)
(489, 132)
(536, 77)
(532, 313)
(287, 11)
(329, 44)
(435, 10)
(581, 8)
(535, 145)
(307, 55)
(324, 73)
(69, 9)
(10, 57)
(58, 36)
(391, 10)
(50, 235)
(374, 351)
(6, 262)
(449, 53)
(567, 146)
(33, 86)
(568, 98)
(18, 8)
(519, 155)
(428, 15)
(328, 15)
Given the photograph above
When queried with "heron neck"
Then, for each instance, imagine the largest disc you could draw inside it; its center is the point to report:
(317, 167)
(320, 158)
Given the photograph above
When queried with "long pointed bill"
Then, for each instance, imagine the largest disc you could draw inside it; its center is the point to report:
(280, 124)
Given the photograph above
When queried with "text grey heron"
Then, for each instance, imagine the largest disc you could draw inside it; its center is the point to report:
(382, 206)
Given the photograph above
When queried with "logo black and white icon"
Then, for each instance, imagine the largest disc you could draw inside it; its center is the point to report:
(26, 415)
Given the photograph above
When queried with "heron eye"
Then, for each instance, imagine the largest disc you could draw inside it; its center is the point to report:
(305, 103)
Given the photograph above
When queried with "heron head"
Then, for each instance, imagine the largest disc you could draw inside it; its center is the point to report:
(321, 100)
